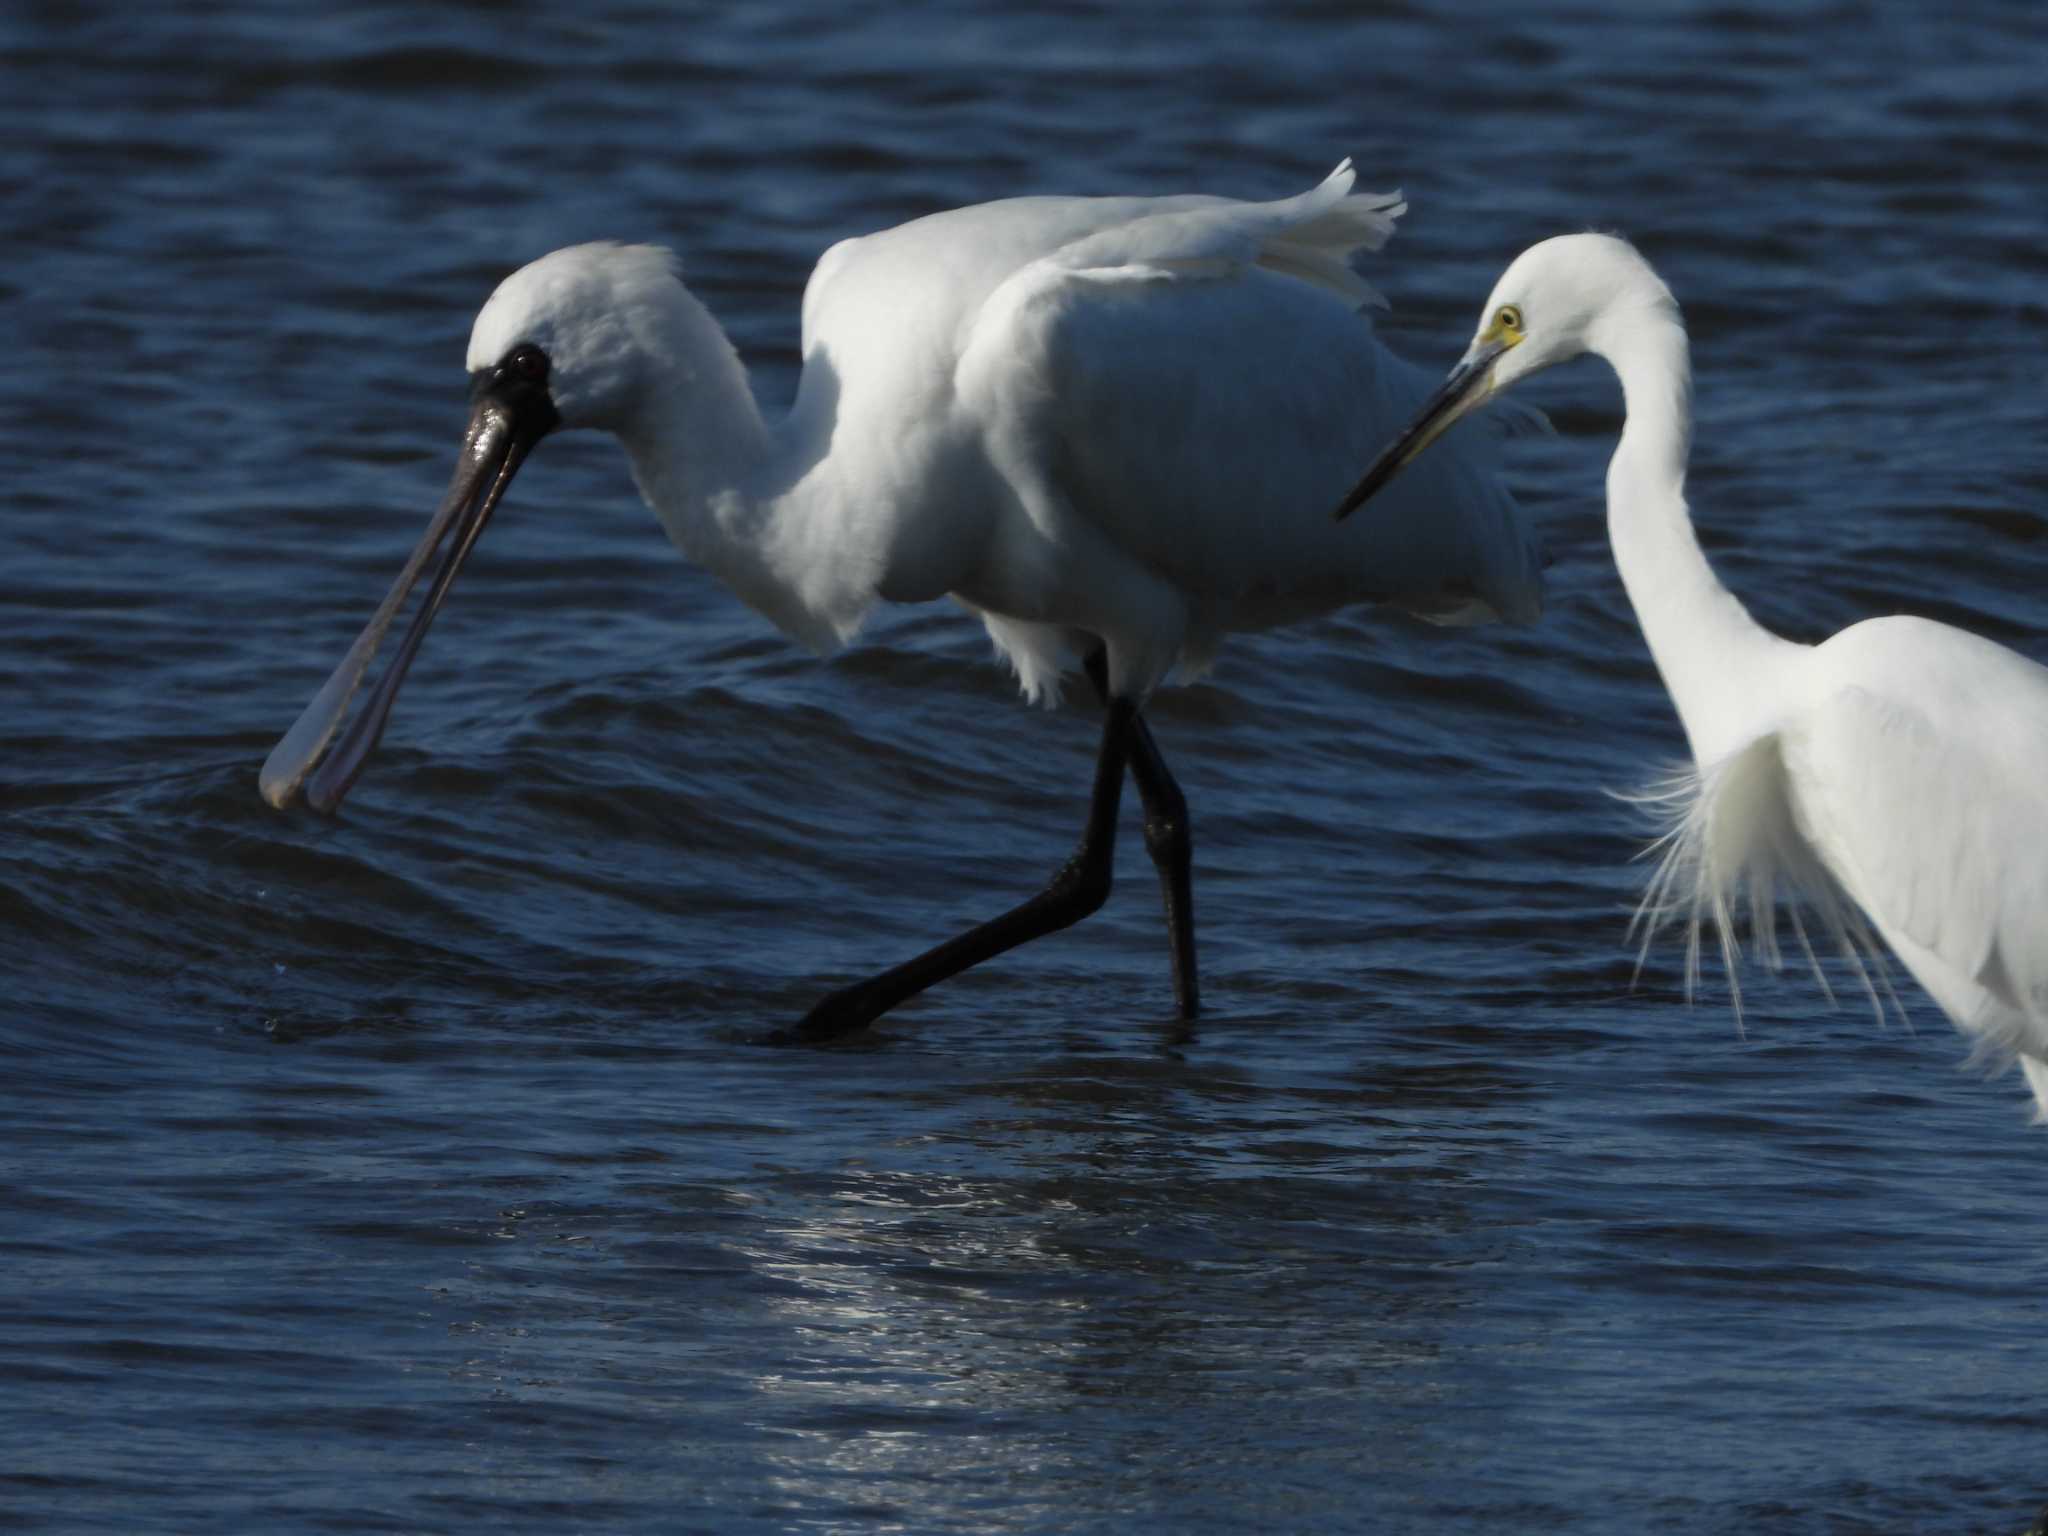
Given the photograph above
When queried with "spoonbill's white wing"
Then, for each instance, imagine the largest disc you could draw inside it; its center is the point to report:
(945, 264)
(1188, 393)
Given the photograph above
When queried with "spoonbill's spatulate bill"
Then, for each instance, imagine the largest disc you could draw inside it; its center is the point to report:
(1112, 427)
(1892, 777)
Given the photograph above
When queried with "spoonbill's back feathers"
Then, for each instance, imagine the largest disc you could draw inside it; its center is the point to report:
(1158, 399)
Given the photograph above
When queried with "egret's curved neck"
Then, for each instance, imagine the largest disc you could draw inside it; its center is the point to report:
(730, 489)
(1721, 667)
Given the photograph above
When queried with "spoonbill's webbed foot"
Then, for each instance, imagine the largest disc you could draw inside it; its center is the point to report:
(1169, 838)
(1079, 887)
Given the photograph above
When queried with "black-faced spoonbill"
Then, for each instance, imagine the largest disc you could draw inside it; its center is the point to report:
(1111, 427)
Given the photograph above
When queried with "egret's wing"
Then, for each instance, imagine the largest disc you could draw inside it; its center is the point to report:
(1919, 775)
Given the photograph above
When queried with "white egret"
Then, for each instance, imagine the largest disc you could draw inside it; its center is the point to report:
(1894, 776)
(1112, 427)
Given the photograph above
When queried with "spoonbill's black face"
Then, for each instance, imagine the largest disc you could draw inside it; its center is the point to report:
(510, 410)
(518, 382)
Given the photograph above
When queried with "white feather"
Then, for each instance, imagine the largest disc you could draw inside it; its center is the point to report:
(1887, 785)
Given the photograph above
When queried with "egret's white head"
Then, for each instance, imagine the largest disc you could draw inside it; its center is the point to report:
(582, 337)
(596, 315)
(1556, 301)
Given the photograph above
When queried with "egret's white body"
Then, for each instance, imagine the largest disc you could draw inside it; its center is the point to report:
(1889, 778)
(1112, 427)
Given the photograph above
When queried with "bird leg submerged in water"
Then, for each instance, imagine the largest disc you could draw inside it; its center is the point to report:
(1079, 887)
(1168, 838)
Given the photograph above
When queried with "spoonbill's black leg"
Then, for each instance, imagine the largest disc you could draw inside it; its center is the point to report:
(1169, 838)
(1079, 888)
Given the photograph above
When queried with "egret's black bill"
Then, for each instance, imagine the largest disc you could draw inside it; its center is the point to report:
(1467, 386)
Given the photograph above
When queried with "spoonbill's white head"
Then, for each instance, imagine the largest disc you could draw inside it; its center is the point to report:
(597, 315)
(575, 339)
(1557, 300)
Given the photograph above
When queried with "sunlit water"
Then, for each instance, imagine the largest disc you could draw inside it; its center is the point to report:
(416, 1170)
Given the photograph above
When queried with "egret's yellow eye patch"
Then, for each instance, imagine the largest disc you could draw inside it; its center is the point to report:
(1506, 327)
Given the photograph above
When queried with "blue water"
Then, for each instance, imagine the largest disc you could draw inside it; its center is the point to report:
(416, 1170)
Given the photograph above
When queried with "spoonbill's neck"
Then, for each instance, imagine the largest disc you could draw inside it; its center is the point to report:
(734, 493)
(1721, 668)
